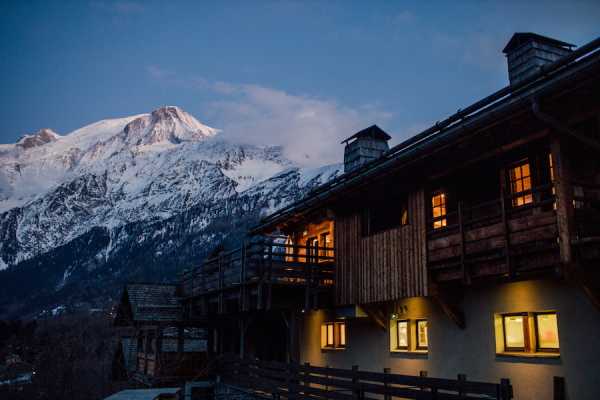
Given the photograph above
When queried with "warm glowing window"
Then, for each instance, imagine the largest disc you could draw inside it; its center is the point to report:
(515, 332)
(438, 207)
(333, 335)
(546, 326)
(402, 332)
(404, 216)
(422, 340)
(341, 334)
(520, 184)
(325, 244)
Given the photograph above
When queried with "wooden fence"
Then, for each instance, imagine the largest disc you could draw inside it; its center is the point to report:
(304, 381)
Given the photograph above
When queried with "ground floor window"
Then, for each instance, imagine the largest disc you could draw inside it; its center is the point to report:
(408, 335)
(333, 335)
(527, 332)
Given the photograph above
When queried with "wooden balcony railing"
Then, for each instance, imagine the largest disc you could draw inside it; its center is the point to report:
(304, 381)
(266, 261)
(496, 238)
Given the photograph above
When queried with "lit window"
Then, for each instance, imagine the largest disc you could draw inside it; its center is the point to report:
(546, 326)
(402, 331)
(341, 334)
(333, 335)
(579, 197)
(422, 341)
(515, 333)
(325, 244)
(438, 207)
(520, 184)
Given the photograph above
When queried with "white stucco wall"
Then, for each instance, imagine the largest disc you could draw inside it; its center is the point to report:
(472, 351)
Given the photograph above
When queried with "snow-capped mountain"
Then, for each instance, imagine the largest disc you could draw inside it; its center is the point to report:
(150, 174)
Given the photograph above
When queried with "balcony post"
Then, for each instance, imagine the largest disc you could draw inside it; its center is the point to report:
(564, 201)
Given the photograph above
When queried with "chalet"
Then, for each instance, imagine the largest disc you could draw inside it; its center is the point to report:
(157, 345)
(471, 248)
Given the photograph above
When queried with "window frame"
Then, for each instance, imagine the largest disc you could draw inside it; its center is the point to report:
(538, 348)
(526, 345)
(336, 328)
(418, 344)
(407, 322)
(526, 195)
(443, 206)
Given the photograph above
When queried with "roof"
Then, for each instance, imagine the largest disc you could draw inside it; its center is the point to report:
(143, 394)
(150, 302)
(373, 131)
(484, 111)
(520, 38)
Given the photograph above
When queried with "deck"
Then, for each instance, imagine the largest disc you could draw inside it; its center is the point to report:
(245, 278)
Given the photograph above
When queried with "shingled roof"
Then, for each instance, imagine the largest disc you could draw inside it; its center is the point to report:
(143, 302)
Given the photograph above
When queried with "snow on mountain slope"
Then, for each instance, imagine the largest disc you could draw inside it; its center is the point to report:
(143, 168)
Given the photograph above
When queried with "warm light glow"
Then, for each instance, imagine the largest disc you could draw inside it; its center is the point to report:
(402, 334)
(520, 184)
(547, 331)
(438, 208)
(422, 341)
(342, 334)
(330, 341)
(514, 332)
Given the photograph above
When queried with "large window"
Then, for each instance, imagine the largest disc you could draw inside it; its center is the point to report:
(384, 214)
(333, 335)
(527, 332)
(408, 335)
(438, 210)
(520, 183)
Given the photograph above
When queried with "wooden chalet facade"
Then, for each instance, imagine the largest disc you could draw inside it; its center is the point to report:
(156, 344)
(472, 247)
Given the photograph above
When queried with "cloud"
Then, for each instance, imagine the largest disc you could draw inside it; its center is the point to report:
(308, 128)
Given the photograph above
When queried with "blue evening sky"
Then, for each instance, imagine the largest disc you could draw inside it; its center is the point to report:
(264, 70)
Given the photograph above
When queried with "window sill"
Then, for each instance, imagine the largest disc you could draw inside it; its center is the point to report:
(517, 354)
(325, 349)
(401, 351)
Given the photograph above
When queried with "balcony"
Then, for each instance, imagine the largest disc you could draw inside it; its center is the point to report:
(246, 277)
(511, 236)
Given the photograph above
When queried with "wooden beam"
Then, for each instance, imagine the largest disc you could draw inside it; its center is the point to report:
(376, 314)
(448, 300)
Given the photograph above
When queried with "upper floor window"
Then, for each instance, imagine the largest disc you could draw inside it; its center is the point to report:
(438, 208)
(520, 183)
(325, 244)
(384, 214)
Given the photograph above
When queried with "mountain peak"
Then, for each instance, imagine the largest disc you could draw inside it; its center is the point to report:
(167, 124)
(39, 138)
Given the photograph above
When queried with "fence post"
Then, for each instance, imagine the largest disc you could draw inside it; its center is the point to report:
(306, 372)
(559, 388)
(505, 390)
(356, 390)
(386, 395)
(462, 378)
(422, 374)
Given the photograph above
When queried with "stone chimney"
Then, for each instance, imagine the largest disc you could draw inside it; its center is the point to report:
(364, 146)
(526, 52)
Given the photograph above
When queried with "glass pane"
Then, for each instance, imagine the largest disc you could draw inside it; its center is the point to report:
(514, 331)
(547, 331)
(330, 335)
(342, 334)
(525, 169)
(527, 183)
(422, 333)
(435, 200)
(437, 212)
(403, 334)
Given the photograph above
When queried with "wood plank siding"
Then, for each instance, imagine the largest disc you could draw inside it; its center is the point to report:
(384, 266)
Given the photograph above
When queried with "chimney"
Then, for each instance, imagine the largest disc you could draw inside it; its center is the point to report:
(364, 146)
(526, 52)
